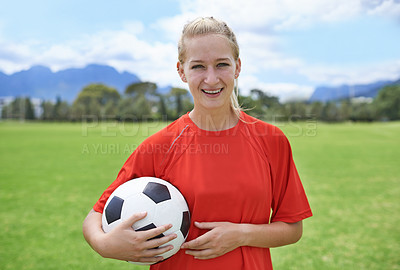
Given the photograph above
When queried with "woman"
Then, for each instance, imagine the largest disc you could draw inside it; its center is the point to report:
(236, 172)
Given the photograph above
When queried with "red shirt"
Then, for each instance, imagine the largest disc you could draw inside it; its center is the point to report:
(245, 174)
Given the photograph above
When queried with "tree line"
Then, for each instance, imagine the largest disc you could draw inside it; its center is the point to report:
(142, 102)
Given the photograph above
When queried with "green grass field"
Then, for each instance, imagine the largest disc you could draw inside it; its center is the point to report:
(52, 173)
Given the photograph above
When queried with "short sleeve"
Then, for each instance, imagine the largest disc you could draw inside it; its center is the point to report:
(146, 160)
(140, 163)
(289, 200)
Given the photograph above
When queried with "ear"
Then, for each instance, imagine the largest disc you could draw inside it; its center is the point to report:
(238, 67)
(181, 72)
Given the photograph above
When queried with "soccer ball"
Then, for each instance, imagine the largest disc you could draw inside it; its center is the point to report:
(161, 200)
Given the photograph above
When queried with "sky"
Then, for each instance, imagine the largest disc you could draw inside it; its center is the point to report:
(287, 47)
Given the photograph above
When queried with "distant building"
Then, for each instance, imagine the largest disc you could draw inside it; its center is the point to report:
(4, 101)
(36, 104)
(359, 100)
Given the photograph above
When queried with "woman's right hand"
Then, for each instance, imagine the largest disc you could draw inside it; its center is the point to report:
(124, 243)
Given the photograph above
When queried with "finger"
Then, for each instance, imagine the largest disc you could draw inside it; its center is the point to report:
(198, 243)
(151, 254)
(156, 252)
(134, 218)
(201, 254)
(149, 259)
(156, 232)
(157, 242)
(206, 225)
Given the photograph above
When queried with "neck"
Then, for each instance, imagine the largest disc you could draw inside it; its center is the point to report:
(214, 120)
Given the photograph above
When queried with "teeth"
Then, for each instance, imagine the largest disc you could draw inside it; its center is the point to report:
(213, 92)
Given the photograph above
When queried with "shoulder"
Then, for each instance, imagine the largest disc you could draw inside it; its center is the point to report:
(259, 128)
(266, 137)
(168, 134)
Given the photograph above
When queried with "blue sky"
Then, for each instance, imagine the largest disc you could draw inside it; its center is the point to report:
(288, 47)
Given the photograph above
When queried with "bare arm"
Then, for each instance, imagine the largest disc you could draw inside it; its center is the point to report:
(223, 237)
(275, 234)
(123, 243)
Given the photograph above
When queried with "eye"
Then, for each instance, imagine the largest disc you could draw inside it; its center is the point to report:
(197, 66)
(223, 65)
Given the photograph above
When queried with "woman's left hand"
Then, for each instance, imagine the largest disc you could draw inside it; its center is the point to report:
(221, 238)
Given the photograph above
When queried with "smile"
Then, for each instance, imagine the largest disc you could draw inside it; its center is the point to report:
(212, 92)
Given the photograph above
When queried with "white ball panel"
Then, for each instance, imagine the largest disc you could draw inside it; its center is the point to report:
(165, 212)
(127, 189)
(131, 206)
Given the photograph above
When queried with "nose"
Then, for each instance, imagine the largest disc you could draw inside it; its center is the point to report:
(211, 77)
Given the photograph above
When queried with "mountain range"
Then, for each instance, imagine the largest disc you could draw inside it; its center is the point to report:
(41, 82)
(324, 93)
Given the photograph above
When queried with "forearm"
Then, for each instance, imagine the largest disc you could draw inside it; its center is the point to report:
(223, 237)
(92, 230)
(123, 243)
(275, 234)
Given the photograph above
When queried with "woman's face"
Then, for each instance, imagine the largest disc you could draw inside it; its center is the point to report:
(210, 70)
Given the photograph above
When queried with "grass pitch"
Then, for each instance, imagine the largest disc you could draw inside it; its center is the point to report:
(52, 173)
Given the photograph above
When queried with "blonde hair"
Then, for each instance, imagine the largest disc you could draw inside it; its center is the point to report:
(210, 25)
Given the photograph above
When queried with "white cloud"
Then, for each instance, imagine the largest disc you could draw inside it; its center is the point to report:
(337, 75)
(120, 49)
(387, 8)
(172, 26)
(134, 27)
(257, 24)
(274, 14)
(285, 91)
(126, 52)
(14, 56)
(287, 14)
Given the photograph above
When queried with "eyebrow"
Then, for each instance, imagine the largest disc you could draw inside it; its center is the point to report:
(217, 60)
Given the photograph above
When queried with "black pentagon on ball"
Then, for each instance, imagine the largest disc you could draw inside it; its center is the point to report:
(157, 192)
(148, 227)
(185, 223)
(113, 210)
